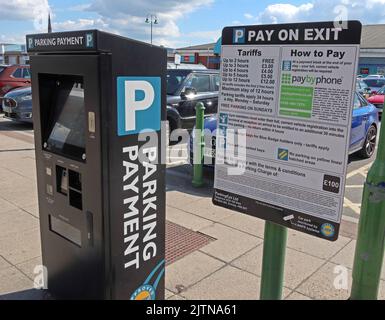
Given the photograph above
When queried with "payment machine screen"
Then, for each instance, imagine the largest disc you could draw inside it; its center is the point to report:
(66, 132)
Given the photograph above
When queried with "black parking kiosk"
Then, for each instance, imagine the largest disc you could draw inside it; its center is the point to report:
(98, 102)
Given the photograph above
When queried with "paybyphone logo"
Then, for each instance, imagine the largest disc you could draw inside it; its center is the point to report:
(139, 104)
(239, 35)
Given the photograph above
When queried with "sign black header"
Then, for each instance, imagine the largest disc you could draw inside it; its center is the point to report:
(62, 41)
(348, 32)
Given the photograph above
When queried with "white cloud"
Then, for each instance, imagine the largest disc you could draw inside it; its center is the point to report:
(23, 9)
(205, 36)
(15, 38)
(368, 11)
(285, 12)
(248, 16)
(127, 17)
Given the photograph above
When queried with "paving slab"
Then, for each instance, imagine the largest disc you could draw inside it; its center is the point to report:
(12, 280)
(320, 286)
(168, 294)
(206, 209)
(298, 265)
(230, 243)
(16, 221)
(187, 220)
(190, 270)
(228, 283)
(6, 205)
(179, 199)
(24, 166)
(346, 257)
(23, 195)
(245, 223)
(297, 296)
(315, 246)
(32, 209)
(28, 267)
(176, 297)
(19, 247)
(4, 264)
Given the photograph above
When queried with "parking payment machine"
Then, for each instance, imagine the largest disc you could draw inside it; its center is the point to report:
(98, 102)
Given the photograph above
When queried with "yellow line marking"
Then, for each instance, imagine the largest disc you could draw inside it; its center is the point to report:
(366, 167)
(356, 207)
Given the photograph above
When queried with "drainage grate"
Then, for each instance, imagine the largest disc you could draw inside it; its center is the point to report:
(181, 241)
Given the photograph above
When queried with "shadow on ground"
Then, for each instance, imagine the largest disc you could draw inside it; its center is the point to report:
(14, 125)
(31, 294)
(179, 178)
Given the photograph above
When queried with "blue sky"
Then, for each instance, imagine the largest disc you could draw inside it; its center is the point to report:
(181, 22)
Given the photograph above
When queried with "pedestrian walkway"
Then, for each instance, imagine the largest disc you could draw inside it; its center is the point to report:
(223, 262)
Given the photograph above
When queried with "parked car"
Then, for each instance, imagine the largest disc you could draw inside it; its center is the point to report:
(378, 99)
(12, 77)
(185, 88)
(375, 83)
(17, 105)
(192, 66)
(363, 88)
(362, 140)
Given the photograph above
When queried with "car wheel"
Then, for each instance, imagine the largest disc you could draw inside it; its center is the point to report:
(370, 143)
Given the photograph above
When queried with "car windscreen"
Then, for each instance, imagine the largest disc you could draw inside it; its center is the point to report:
(375, 82)
(363, 85)
(175, 79)
(381, 91)
(2, 69)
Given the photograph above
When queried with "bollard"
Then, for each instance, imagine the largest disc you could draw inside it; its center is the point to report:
(273, 264)
(198, 146)
(370, 247)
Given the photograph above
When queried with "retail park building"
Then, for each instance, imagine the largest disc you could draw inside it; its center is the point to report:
(372, 56)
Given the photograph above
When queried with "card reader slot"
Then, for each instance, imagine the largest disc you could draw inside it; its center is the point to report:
(61, 180)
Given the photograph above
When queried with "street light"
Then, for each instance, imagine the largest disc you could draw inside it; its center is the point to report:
(151, 19)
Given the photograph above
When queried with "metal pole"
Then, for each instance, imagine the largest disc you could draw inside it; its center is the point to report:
(198, 146)
(151, 28)
(370, 245)
(273, 264)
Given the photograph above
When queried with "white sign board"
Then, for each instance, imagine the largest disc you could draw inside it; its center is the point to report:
(291, 87)
(177, 59)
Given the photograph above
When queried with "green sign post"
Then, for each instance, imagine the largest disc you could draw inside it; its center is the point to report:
(273, 265)
(371, 231)
(198, 146)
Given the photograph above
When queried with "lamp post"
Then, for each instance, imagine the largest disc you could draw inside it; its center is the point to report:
(151, 19)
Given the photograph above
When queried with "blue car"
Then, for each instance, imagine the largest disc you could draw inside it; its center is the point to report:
(363, 133)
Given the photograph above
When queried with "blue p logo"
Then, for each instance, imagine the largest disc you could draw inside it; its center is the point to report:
(139, 104)
(239, 35)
